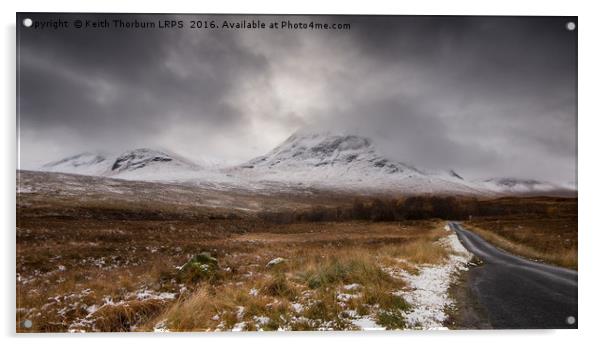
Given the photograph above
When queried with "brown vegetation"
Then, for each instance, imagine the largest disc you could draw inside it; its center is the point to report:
(107, 274)
(92, 260)
(429, 207)
(540, 228)
(545, 229)
(549, 240)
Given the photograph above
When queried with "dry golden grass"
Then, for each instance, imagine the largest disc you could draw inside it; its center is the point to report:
(314, 282)
(550, 240)
(419, 251)
(122, 317)
(97, 254)
(68, 268)
(192, 314)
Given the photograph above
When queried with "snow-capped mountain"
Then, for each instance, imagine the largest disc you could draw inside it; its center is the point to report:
(306, 159)
(337, 160)
(327, 150)
(85, 163)
(137, 164)
(522, 186)
(150, 164)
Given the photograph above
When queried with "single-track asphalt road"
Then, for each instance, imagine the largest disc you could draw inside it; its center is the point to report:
(519, 293)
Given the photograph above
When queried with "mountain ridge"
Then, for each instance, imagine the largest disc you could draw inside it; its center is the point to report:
(327, 159)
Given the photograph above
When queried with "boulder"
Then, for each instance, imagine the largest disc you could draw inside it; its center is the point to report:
(276, 261)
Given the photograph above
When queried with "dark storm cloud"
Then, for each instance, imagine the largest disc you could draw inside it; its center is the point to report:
(493, 95)
(487, 96)
(114, 80)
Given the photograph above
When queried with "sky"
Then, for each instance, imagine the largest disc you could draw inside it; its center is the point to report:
(485, 96)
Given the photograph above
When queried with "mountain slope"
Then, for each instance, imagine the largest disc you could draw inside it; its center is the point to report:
(85, 163)
(137, 164)
(150, 164)
(336, 160)
(323, 160)
(524, 186)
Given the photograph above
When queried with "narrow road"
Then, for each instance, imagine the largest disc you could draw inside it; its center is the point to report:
(518, 293)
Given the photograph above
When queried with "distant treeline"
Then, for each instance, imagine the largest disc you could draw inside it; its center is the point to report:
(428, 207)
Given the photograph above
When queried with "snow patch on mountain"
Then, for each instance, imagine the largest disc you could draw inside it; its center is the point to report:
(340, 160)
(307, 159)
(516, 185)
(86, 163)
(153, 165)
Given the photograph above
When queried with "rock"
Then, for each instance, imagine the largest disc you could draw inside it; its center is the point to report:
(275, 261)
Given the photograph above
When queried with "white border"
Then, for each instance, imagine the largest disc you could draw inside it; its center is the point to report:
(590, 169)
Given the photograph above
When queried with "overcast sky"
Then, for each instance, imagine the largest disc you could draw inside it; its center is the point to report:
(486, 96)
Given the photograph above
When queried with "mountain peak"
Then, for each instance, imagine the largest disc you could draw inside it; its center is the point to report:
(328, 157)
(316, 149)
(86, 162)
(146, 157)
(324, 159)
(81, 159)
(327, 143)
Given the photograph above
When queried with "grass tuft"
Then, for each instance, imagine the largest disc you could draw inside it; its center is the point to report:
(278, 286)
(121, 317)
(391, 319)
(360, 268)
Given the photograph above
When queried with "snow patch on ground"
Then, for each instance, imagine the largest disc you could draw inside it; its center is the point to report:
(161, 327)
(352, 287)
(427, 290)
(239, 327)
(148, 294)
(297, 307)
(367, 323)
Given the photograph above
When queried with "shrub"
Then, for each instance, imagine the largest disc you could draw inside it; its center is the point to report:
(200, 267)
(391, 319)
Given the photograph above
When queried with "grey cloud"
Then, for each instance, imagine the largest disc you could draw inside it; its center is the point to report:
(122, 87)
(487, 96)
